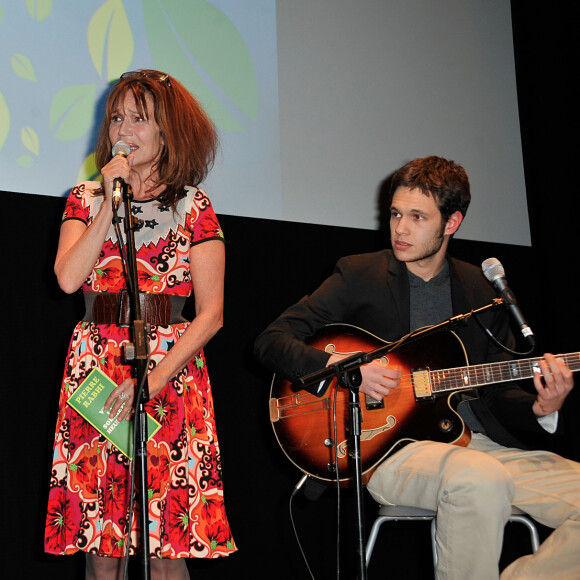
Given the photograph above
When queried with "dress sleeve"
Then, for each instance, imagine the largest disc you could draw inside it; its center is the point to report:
(201, 221)
(76, 207)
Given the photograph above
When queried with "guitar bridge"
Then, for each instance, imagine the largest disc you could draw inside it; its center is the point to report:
(422, 385)
(295, 405)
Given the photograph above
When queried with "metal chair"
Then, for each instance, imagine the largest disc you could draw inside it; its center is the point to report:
(390, 513)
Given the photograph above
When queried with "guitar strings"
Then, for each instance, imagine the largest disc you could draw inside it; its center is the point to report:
(452, 379)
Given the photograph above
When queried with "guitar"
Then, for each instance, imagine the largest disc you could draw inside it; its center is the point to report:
(424, 406)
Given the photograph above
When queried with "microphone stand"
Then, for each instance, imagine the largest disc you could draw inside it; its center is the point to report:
(349, 376)
(137, 354)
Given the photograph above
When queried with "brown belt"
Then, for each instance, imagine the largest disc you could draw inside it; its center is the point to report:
(113, 308)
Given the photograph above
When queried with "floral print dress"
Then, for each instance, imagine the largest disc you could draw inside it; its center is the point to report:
(90, 478)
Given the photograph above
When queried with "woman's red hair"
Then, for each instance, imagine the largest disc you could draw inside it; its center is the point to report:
(191, 140)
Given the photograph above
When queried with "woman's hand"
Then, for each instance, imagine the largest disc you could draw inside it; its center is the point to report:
(118, 167)
(122, 398)
(156, 382)
(121, 401)
(79, 246)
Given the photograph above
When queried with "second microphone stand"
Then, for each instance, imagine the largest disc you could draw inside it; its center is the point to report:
(349, 376)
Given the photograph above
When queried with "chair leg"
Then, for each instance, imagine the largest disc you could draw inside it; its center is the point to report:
(534, 536)
(434, 542)
(373, 538)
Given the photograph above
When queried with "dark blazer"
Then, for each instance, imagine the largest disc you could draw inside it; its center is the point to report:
(371, 291)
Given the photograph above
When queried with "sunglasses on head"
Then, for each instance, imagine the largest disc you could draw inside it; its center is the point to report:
(156, 76)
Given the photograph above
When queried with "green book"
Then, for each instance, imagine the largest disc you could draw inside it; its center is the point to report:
(89, 399)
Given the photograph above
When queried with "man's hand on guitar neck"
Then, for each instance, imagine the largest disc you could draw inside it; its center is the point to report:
(378, 379)
(553, 385)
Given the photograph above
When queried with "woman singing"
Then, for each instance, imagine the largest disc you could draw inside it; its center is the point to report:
(179, 251)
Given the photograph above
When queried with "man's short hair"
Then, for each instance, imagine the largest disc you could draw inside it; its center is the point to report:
(440, 178)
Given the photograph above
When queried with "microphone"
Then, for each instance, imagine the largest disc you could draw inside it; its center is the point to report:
(494, 272)
(119, 148)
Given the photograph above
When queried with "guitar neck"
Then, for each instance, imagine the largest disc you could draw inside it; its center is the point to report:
(489, 373)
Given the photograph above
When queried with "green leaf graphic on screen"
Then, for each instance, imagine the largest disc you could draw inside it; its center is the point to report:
(110, 40)
(23, 67)
(72, 111)
(198, 44)
(4, 120)
(30, 140)
(88, 170)
(39, 9)
(25, 161)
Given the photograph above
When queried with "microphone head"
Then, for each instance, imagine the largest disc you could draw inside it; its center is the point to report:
(492, 269)
(121, 148)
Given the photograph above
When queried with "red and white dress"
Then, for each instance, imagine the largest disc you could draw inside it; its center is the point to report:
(89, 486)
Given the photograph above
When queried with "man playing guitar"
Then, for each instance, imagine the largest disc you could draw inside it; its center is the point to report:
(473, 483)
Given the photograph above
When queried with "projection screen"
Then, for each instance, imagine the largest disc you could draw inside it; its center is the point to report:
(317, 102)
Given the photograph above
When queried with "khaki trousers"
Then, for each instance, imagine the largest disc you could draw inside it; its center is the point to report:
(472, 489)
